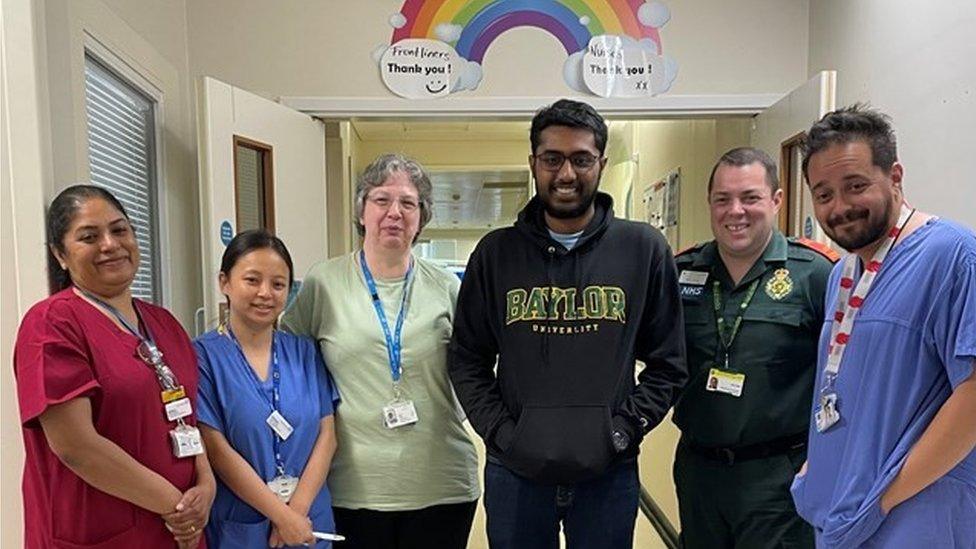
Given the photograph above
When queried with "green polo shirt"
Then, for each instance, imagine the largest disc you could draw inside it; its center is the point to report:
(776, 346)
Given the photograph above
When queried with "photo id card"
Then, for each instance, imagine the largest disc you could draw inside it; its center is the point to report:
(724, 381)
(399, 413)
(279, 425)
(827, 413)
(186, 441)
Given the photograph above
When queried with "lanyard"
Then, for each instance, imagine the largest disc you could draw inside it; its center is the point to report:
(275, 389)
(737, 323)
(147, 350)
(849, 302)
(392, 340)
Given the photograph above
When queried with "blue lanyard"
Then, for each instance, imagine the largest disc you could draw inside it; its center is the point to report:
(275, 389)
(392, 340)
(152, 355)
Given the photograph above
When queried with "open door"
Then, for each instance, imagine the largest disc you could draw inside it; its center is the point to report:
(261, 165)
(779, 131)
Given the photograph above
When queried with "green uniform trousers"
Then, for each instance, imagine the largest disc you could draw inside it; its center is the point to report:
(746, 505)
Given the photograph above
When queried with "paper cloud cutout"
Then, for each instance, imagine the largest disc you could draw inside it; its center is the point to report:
(471, 75)
(378, 51)
(653, 14)
(448, 32)
(649, 46)
(573, 72)
(398, 20)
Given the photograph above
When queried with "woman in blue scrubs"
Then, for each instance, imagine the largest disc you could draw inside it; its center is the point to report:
(265, 407)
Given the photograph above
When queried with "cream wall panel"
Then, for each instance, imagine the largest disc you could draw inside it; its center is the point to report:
(24, 180)
(915, 62)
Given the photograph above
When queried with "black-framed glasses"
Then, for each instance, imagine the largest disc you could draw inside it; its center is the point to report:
(553, 161)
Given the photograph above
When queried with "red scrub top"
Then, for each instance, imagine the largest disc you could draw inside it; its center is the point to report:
(67, 348)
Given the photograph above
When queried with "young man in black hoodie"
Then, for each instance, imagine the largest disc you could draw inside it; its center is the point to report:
(566, 301)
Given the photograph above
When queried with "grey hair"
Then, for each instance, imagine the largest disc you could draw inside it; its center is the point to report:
(376, 174)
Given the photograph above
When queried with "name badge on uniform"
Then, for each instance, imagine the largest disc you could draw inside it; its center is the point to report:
(279, 425)
(178, 409)
(186, 441)
(399, 413)
(827, 413)
(724, 381)
(693, 278)
(283, 486)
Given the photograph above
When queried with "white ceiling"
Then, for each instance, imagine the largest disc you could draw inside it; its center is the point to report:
(483, 199)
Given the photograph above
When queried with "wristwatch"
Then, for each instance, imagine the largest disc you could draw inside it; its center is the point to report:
(620, 441)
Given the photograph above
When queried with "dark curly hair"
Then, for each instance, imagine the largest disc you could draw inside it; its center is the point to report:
(858, 122)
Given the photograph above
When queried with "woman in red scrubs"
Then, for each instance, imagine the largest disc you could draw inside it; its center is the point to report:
(105, 385)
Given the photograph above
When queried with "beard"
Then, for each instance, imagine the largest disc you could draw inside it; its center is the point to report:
(874, 227)
(563, 210)
(569, 211)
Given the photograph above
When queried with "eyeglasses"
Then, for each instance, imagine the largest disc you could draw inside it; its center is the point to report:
(384, 202)
(553, 161)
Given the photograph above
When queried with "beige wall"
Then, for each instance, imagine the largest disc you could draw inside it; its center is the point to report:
(317, 48)
(915, 62)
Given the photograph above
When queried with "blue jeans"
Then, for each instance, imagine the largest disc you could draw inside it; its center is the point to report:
(596, 514)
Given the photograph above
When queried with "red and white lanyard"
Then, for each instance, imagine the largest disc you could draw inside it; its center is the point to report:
(848, 303)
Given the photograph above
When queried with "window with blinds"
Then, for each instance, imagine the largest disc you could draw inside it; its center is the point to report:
(122, 159)
(253, 184)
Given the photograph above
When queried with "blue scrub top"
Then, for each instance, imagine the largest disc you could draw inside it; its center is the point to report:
(912, 343)
(230, 400)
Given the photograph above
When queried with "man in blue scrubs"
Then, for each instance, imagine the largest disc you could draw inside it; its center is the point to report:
(891, 460)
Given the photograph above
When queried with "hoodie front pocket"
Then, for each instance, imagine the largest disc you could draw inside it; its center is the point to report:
(561, 444)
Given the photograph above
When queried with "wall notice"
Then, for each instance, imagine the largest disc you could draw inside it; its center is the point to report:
(420, 68)
(616, 66)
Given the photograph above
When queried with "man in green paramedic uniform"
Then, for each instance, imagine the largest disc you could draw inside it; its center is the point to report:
(753, 304)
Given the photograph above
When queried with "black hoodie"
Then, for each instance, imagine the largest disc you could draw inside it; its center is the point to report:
(566, 328)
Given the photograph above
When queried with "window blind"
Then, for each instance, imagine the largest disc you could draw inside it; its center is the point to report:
(122, 159)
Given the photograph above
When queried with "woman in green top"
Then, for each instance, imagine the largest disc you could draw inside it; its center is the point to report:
(405, 473)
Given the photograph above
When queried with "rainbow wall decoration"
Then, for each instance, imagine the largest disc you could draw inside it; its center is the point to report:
(481, 22)
(624, 35)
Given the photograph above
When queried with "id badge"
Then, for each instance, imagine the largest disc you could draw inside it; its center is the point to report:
(173, 394)
(178, 409)
(399, 413)
(279, 425)
(724, 381)
(283, 486)
(827, 413)
(186, 441)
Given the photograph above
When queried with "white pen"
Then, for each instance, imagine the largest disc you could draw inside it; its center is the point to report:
(328, 537)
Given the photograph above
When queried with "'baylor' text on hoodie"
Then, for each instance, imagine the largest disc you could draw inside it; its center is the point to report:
(566, 327)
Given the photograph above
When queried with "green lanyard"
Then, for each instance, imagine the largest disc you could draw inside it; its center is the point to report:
(737, 323)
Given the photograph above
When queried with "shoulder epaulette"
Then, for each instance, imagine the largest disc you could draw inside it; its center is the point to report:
(693, 248)
(820, 248)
